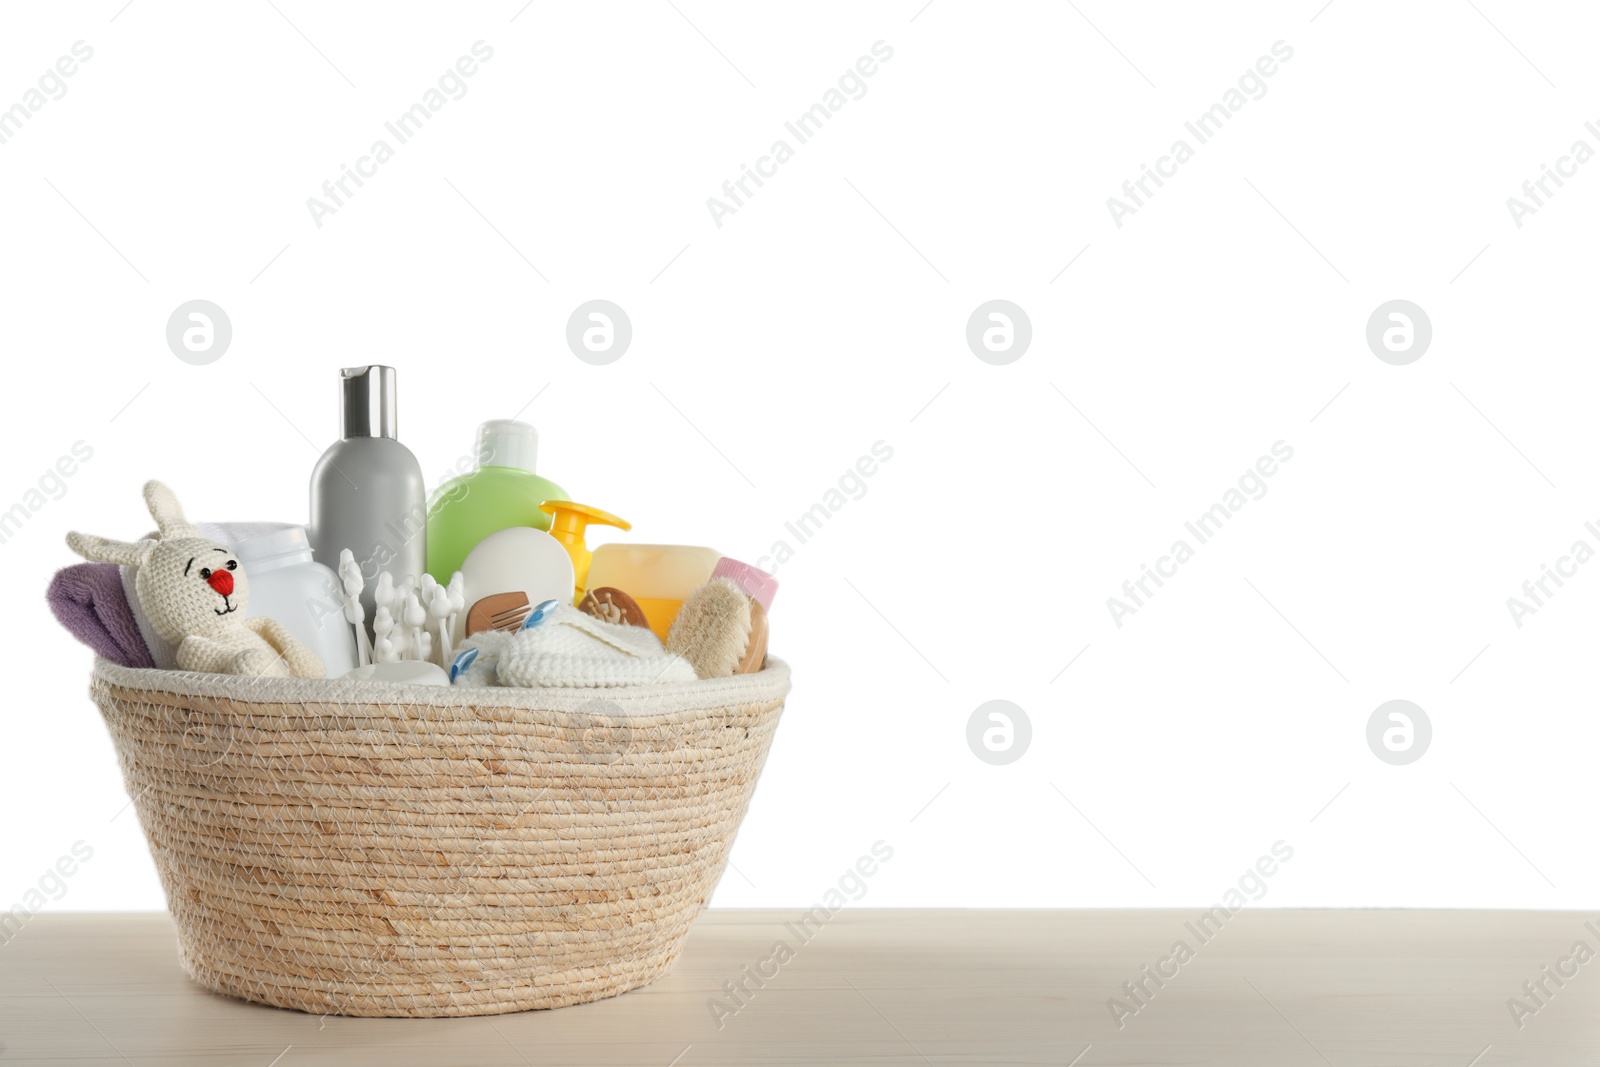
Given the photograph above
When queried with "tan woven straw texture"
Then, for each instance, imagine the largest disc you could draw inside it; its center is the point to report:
(363, 849)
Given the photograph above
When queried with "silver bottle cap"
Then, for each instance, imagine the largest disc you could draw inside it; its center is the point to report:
(367, 404)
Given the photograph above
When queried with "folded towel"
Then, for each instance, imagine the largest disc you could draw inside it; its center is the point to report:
(161, 649)
(88, 599)
(570, 648)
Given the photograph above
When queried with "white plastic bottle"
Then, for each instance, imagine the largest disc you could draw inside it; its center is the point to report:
(286, 584)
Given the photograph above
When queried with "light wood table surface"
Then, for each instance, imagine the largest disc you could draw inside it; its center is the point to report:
(1335, 988)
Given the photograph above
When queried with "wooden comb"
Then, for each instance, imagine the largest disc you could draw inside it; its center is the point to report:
(499, 611)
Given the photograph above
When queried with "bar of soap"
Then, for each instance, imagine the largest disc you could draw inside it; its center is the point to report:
(403, 672)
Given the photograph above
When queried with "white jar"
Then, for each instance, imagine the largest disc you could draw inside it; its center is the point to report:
(303, 595)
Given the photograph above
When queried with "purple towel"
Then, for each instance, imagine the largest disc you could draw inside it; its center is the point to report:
(87, 599)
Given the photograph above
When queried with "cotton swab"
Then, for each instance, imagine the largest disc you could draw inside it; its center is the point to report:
(397, 608)
(384, 602)
(382, 626)
(457, 590)
(354, 612)
(383, 595)
(416, 619)
(439, 612)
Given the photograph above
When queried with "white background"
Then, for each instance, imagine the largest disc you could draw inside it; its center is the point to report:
(828, 314)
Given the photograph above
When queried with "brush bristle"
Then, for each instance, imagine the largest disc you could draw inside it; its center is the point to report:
(712, 629)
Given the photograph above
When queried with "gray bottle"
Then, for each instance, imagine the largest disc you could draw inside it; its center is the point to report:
(367, 492)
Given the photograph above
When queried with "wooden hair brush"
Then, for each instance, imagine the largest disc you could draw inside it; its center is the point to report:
(721, 630)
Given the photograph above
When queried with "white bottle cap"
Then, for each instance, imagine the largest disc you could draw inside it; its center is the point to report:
(508, 443)
(291, 541)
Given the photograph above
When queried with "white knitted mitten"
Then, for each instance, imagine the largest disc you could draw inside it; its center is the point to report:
(571, 649)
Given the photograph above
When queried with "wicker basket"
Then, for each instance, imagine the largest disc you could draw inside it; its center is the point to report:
(365, 849)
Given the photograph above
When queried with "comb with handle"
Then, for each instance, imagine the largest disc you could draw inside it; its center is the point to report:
(499, 611)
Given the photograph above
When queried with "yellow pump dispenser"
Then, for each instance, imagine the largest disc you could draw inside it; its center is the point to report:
(568, 521)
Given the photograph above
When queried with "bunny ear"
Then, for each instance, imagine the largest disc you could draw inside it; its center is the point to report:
(164, 509)
(99, 550)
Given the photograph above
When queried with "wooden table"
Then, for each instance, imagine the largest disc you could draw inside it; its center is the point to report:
(1342, 988)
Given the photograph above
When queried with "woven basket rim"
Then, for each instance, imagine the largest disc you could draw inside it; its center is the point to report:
(766, 686)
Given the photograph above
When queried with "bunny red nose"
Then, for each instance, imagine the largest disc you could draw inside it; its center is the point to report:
(222, 582)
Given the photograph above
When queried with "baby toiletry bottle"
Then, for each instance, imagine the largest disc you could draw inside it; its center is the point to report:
(367, 492)
(658, 577)
(568, 521)
(287, 585)
(503, 492)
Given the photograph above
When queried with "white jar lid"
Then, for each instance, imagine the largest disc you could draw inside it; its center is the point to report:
(289, 541)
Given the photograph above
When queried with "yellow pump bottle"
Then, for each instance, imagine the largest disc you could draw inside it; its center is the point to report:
(568, 523)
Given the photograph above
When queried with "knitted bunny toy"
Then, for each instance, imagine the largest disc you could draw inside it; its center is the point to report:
(194, 593)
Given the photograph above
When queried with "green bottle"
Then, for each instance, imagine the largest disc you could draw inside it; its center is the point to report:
(503, 492)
